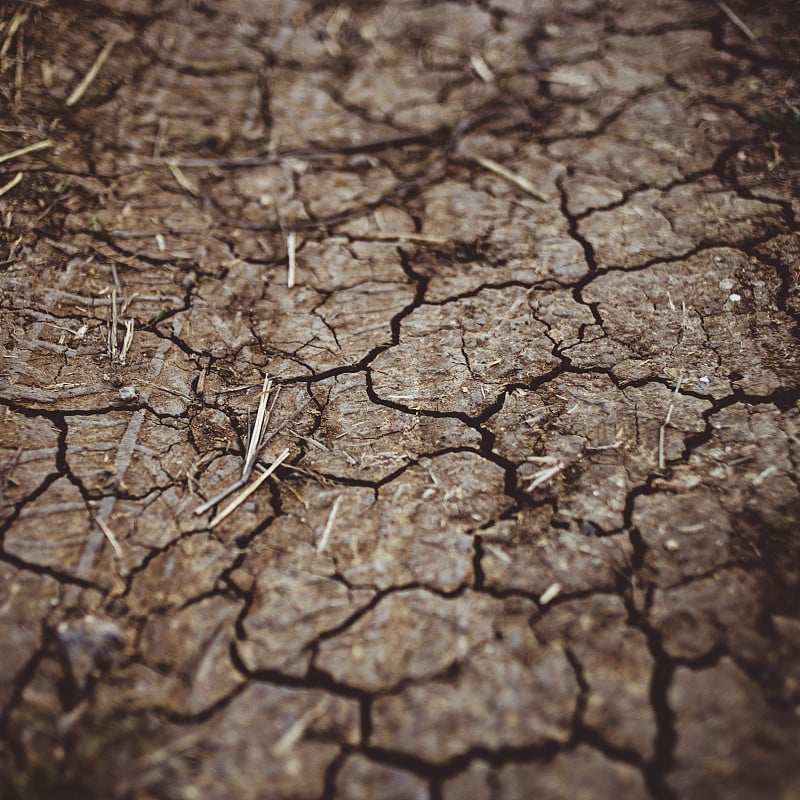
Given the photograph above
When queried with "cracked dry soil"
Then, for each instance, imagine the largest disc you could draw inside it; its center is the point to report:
(536, 535)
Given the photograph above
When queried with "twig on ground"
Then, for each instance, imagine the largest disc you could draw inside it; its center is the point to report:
(257, 439)
(736, 20)
(112, 331)
(326, 533)
(544, 475)
(498, 553)
(312, 442)
(387, 236)
(567, 77)
(239, 499)
(254, 443)
(513, 177)
(23, 151)
(109, 534)
(258, 429)
(180, 178)
(93, 72)
(550, 594)
(16, 23)
(241, 388)
(7, 187)
(482, 69)
(127, 341)
(291, 244)
(298, 728)
(615, 445)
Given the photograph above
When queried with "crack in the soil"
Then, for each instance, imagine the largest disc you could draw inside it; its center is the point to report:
(523, 113)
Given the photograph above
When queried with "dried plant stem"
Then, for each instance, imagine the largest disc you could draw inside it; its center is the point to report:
(326, 533)
(93, 72)
(291, 247)
(109, 534)
(512, 177)
(7, 187)
(239, 499)
(736, 20)
(23, 151)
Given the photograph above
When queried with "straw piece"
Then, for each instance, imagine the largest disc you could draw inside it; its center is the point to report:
(326, 534)
(93, 72)
(291, 244)
(127, 341)
(513, 177)
(544, 475)
(23, 151)
(109, 534)
(482, 69)
(258, 430)
(736, 20)
(240, 498)
(11, 184)
(550, 594)
(181, 179)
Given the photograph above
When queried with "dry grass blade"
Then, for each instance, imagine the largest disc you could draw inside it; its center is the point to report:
(482, 69)
(512, 177)
(256, 440)
(291, 245)
(218, 498)
(326, 534)
(7, 187)
(410, 237)
(23, 151)
(93, 72)
(264, 438)
(109, 534)
(240, 498)
(298, 728)
(736, 20)
(550, 594)
(544, 475)
(16, 23)
(112, 331)
(567, 77)
(127, 341)
(257, 432)
(498, 553)
(182, 180)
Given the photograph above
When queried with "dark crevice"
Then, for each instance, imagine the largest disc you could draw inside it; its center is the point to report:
(514, 118)
(477, 567)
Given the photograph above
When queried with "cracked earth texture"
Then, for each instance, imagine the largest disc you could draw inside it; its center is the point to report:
(536, 534)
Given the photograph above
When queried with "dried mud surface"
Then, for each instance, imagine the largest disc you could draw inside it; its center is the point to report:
(535, 534)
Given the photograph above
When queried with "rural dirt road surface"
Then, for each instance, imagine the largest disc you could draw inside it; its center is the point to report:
(399, 400)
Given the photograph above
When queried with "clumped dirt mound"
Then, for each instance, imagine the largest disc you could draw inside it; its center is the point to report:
(490, 309)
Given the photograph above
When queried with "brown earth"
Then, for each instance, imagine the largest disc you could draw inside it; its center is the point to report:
(536, 531)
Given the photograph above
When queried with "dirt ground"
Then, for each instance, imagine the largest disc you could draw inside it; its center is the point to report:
(494, 307)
